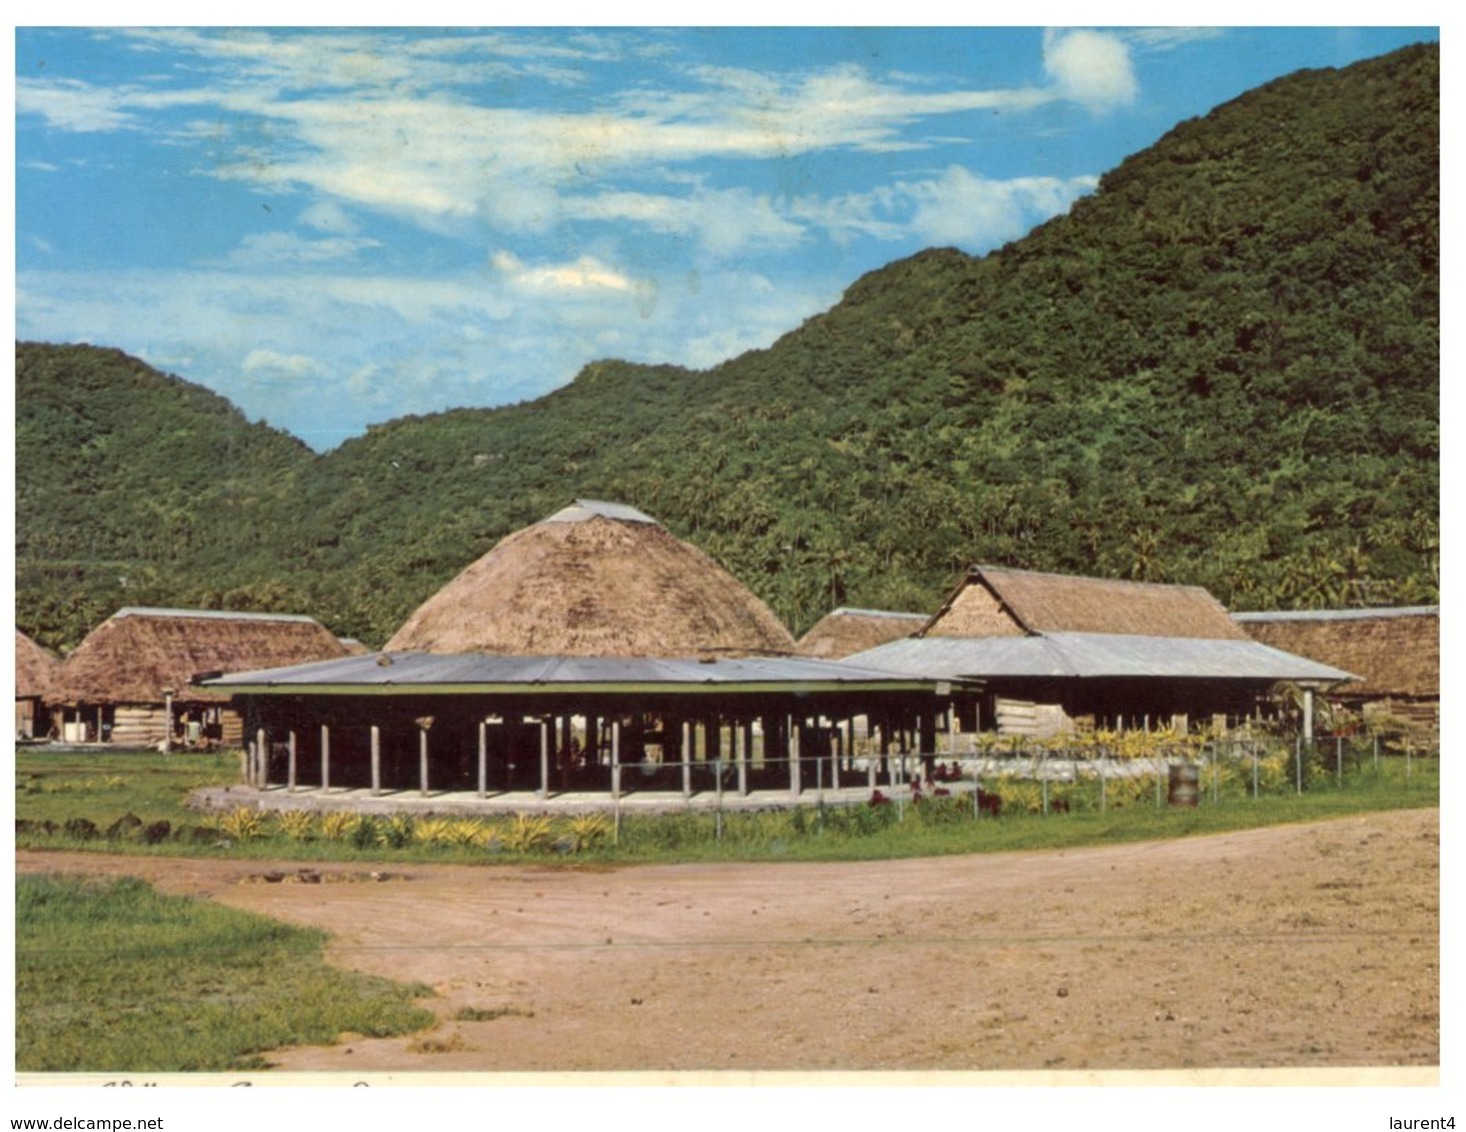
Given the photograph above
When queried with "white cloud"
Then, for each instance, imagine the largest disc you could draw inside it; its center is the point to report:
(1090, 67)
(287, 247)
(328, 216)
(270, 365)
(585, 274)
(69, 104)
(963, 208)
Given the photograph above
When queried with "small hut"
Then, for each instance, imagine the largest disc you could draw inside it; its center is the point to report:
(35, 669)
(843, 632)
(595, 579)
(129, 682)
(1056, 652)
(1395, 652)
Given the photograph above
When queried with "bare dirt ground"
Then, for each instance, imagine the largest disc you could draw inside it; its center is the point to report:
(1296, 946)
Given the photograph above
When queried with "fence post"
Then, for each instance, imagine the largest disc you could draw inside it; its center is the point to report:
(1339, 761)
(1102, 781)
(1298, 761)
(1158, 765)
(718, 771)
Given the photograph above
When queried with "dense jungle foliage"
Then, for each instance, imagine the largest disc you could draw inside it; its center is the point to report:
(1222, 368)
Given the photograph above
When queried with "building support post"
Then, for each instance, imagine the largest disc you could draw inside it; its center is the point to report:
(167, 722)
(262, 760)
(689, 737)
(742, 748)
(483, 758)
(793, 731)
(376, 760)
(1308, 716)
(290, 772)
(616, 759)
(544, 790)
(325, 758)
(422, 761)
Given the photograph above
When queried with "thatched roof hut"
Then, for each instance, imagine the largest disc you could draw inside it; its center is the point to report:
(595, 579)
(993, 602)
(1395, 652)
(138, 652)
(844, 632)
(35, 668)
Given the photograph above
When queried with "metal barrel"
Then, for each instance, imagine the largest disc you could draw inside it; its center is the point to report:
(1185, 784)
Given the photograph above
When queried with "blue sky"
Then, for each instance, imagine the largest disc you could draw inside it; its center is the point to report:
(333, 227)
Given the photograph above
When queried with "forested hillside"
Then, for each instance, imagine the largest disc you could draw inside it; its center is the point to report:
(1222, 368)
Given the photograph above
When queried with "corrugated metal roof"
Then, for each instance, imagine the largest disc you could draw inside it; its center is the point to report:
(426, 670)
(1093, 655)
(583, 509)
(1340, 614)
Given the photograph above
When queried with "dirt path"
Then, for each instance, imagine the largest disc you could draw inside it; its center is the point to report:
(1298, 946)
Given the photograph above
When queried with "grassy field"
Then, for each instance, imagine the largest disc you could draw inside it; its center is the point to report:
(112, 976)
(130, 795)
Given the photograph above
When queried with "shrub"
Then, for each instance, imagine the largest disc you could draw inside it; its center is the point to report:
(529, 833)
(364, 833)
(242, 824)
(588, 831)
(298, 825)
(397, 832)
(338, 825)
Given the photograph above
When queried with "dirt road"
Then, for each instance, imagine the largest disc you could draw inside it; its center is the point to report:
(1300, 946)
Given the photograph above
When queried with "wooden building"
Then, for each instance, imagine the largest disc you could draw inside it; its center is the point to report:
(130, 681)
(1057, 652)
(591, 651)
(1396, 654)
(35, 671)
(844, 632)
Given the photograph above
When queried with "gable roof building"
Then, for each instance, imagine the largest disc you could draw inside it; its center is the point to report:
(1055, 650)
(1395, 652)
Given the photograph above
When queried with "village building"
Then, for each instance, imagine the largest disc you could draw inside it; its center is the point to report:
(1057, 652)
(35, 670)
(130, 682)
(1395, 653)
(592, 651)
(844, 632)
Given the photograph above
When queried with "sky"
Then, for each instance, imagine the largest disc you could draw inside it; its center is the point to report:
(334, 227)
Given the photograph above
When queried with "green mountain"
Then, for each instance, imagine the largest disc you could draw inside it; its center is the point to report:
(1221, 368)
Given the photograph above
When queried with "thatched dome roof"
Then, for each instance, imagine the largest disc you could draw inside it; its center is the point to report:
(845, 632)
(35, 668)
(595, 579)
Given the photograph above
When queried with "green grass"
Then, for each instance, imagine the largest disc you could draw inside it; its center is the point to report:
(153, 787)
(59, 786)
(111, 976)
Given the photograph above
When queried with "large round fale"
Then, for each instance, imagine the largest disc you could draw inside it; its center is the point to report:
(595, 579)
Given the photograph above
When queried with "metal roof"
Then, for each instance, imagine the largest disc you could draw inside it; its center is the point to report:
(1340, 614)
(1093, 655)
(415, 672)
